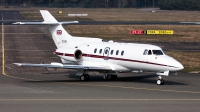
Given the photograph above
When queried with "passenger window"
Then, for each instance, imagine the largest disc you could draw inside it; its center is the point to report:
(106, 51)
(117, 52)
(149, 53)
(100, 51)
(95, 50)
(145, 52)
(111, 52)
(122, 53)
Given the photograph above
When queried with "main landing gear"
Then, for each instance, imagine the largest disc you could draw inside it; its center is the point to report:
(110, 77)
(84, 77)
(160, 81)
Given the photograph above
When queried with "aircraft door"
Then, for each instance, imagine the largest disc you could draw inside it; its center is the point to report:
(106, 53)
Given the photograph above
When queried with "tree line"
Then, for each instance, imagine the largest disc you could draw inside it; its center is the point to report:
(83, 3)
(180, 4)
(163, 4)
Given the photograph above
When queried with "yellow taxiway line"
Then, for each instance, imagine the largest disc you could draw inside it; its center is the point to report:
(3, 54)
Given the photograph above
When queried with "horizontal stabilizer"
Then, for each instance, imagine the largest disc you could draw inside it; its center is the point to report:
(46, 23)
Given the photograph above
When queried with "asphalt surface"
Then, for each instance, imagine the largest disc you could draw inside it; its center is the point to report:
(38, 89)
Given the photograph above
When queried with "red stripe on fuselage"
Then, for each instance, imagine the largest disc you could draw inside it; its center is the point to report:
(122, 59)
(58, 53)
(71, 55)
(112, 58)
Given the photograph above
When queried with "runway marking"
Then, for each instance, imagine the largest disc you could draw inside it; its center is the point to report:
(21, 100)
(136, 88)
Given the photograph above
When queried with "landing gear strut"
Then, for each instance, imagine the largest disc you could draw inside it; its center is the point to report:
(84, 77)
(160, 81)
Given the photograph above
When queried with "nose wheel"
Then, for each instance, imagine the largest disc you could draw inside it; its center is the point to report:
(160, 81)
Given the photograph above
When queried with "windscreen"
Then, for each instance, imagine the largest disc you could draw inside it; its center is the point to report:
(157, 52)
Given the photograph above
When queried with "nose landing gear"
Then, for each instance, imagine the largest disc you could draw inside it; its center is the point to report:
(160, 81)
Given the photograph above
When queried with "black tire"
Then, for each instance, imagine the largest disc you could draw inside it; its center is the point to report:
(111, 77)
(162, 82)
(87, 77)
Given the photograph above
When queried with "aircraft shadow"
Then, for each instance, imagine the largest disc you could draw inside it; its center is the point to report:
(147, 79)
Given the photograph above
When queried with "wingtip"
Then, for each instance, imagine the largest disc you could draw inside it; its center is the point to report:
(18, 23)
(18, 64)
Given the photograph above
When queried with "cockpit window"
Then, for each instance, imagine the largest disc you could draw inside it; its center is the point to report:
(145, 52)
(157, 52)
(149, 52)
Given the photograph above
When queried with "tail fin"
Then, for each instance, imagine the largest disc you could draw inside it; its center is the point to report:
(47, 16)
(60, 36)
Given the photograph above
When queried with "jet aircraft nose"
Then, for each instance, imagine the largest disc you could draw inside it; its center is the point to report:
(177, 65)
(173, 64)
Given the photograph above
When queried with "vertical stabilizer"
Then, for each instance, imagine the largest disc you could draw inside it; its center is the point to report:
(47, 16)
(60, 36)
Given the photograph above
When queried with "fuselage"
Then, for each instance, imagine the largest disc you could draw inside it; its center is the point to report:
(121, 57)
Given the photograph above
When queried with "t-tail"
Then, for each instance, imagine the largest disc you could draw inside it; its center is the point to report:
(59, 34)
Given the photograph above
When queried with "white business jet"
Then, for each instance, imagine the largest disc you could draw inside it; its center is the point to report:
(108, 58)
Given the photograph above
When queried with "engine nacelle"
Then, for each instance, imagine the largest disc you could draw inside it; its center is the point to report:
(69, 54)
(78, 54)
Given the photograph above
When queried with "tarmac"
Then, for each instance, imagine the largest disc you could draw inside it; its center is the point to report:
(33, 89)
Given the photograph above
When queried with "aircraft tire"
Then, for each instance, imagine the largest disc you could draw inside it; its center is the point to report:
(114, 77)
(111, 77)
(87, 77)
(160, 82)
(84, 77)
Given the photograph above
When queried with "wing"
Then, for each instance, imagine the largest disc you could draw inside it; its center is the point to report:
(60, 65)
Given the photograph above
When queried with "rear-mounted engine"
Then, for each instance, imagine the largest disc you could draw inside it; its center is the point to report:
(78, 54)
